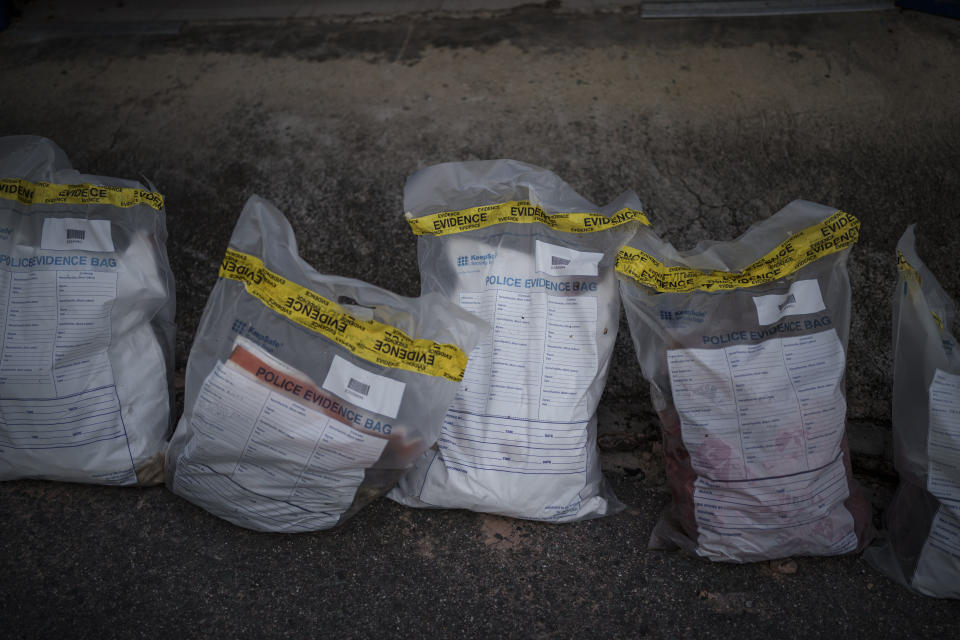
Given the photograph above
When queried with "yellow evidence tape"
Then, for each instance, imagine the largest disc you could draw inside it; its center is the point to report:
(519, 212)
(909, 273)
(31, 193)
(836, 233)
(907, 269)
(368, 339)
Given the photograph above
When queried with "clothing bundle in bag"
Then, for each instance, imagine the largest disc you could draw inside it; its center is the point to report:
(922, 548)
(744, 346)
(308, 395)
(86, 322)
(517, 246)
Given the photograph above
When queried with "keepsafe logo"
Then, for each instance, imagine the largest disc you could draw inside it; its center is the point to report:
(475, 260)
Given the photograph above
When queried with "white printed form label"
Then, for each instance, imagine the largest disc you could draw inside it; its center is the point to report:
(262, 458)
(561, 261)
(763, 424)
(943, 451)
(939, 563)
(76, 234)
(521, 409)
(363, 388)
(57, 393)
(803, 297)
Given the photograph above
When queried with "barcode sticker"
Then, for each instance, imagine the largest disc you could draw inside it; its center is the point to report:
(359, 387)
(791, 299)
(562, 261)
(76, 234)
(363, 388)
(803, 297)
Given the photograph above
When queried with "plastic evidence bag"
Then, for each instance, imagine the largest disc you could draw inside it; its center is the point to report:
(516, 245)
(308, 395)
(744, 346)
(922, 547)
(86, 322)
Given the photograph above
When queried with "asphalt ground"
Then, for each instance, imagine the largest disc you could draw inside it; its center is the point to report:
(715, 123)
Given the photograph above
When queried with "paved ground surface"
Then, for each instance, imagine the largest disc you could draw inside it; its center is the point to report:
(114, 11)
(716, 124)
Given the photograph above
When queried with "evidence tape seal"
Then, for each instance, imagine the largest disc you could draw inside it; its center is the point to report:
(907, 269)
(838, 232)
(519, 212)
(909, 273)
(31, 193)
(368, 339)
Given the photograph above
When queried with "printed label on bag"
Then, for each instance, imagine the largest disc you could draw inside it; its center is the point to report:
(836, 233)
(763, 424)
(519, 212)
(373, 341)
(803, 297)
(943, 441)
(294, 384)
(59, 404)
(561, 261)
(76, 234)
(271, 451)
(363, 388)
